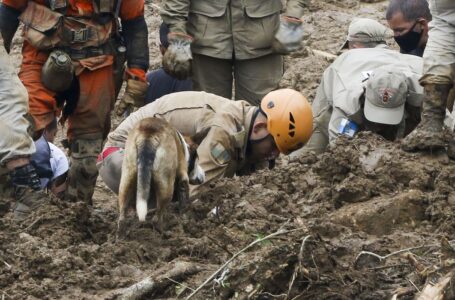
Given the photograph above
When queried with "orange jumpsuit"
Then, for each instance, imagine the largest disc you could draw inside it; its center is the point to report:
(91, 119)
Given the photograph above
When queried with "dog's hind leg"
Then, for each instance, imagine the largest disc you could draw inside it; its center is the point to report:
(163, 193)
(127, 193)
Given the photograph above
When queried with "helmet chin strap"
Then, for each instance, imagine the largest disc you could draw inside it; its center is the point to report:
(250, 141)
(259, 140)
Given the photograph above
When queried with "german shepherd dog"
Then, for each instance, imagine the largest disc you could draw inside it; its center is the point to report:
(159, 164)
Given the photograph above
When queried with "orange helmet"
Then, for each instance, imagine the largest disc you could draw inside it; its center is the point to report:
(289, 119)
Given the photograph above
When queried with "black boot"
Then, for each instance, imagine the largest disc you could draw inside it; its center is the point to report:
(27, 191)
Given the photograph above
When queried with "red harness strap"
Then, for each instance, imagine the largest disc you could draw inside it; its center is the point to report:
(106, 152)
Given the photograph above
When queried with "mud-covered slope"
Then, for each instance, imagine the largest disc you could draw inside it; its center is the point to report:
(339, 218)
(362, 195)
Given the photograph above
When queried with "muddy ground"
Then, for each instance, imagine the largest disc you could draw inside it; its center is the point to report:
(362, 221)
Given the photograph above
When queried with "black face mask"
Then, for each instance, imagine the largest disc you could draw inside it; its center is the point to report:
(410, 40)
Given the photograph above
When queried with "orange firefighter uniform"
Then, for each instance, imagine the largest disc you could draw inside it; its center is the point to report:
(88, 32)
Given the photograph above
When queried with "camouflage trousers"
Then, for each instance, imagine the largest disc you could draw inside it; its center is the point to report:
(83, 172)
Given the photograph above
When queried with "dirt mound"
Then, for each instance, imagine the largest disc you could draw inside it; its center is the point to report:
(336, 217)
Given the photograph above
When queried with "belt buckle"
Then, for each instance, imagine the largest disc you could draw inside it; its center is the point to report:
(96, 51)
(79, 35)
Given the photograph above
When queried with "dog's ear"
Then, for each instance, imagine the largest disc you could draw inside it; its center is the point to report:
(200, 136)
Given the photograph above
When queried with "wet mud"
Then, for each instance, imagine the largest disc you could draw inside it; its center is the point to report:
(364, 220)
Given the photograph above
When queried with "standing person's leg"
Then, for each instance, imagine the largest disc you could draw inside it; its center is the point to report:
(41, 102)
(254, 78)
(16, 146)
(439, 74)
(87, 128)
(212, 75)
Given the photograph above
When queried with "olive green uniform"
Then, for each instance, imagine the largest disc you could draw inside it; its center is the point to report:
(221, 154)
(342, 86)
(232, 41)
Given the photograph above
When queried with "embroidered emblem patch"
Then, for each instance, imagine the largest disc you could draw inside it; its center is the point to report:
(220, 154)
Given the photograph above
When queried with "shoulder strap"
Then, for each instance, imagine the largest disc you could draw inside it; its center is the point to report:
(117, 9)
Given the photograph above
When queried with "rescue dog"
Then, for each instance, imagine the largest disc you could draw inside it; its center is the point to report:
(159, 164)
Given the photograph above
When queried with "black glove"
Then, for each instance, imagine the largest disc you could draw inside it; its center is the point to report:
(289, 36)
(25, 176)
(177, 59)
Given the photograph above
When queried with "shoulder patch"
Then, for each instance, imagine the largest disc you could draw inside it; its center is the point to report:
(220, 154)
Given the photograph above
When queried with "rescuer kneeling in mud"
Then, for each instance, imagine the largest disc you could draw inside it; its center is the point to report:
(369, 87)
(240, 135)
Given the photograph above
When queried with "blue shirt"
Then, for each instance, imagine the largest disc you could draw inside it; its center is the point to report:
(161, 83)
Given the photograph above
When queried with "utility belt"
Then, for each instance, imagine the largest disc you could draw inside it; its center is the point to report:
(73, 38)
(108, 48)
(57, 73)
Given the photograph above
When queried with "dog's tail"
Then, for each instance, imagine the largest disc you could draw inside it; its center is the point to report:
(145, 158)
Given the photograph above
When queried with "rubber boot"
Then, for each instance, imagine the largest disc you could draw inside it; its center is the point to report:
(6, 194)
(428, 134)
(451, 150)
(83, 172)
(27, 191)
(27, 200)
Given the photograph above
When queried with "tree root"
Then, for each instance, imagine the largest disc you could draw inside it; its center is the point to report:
(157, 282)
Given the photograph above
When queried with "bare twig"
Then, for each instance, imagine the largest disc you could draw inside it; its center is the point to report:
(272, 295)
(299, 267)
(28, 227)
(4, 295)
(320, 53)
(298, 296)
(7, 264)
(410, 281)
(279, 232)
(294, 275)
(301, 251)
(179, 283)
(417, 265)
(315, 265)
(155, 282)
(388, 267)
(381, 258)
